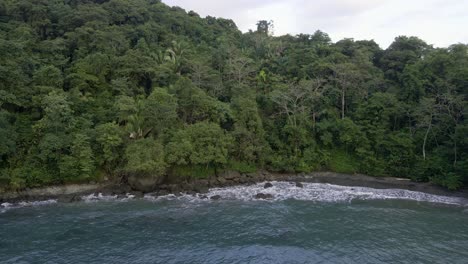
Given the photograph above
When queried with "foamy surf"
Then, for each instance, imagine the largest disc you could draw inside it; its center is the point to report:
(100, 197)
(316, 192)
(7, 206)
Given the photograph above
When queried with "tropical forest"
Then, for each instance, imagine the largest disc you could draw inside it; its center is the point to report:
(95, 90)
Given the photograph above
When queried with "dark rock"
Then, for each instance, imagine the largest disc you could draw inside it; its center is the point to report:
(215, 197)
(163, 192)
(230, 175)
(213, 182)
(299, 185)
(137, 194)
(174, 188)
(107, 192)
(204, 197)
(163, 187)
(69, 199)
(187, 187)
(251, 175)
(76, 198)
(200, 189)
(205, 183)
(221, 181)
(121, 196)
(243, 179)
(64, 199)
(268, 185)
(144, 183)
(263, 196)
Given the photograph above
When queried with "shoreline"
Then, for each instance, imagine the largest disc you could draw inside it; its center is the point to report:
(74, 192)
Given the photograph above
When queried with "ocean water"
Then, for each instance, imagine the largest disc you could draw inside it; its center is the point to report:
(319, 223)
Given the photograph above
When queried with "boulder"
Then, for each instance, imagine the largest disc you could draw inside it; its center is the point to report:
(69, 199)
(144, 183)
(187, 187)
(230, 175)
(251, 175)
(205, 183)
(299, 185)
(215, 197)
(213, 182)
(162, 192)
(221, 181)
(243, 179)
(264, 196)
(122, 196)
(137, 194)
(175, 188)
(268, 185)
(199, 188)
(76, 198)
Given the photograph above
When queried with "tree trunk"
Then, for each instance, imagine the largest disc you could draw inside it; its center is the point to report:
(455, 152)
(314, 117)
(425, 140)
(342, 103)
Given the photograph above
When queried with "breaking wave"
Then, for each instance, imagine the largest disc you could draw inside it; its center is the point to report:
(314, 192)
(100, 197)
(317, 192)
(7, 206)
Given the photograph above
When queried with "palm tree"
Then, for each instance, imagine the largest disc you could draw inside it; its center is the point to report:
(175, 55)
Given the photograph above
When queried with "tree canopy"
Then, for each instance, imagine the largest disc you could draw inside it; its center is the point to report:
(98, 88)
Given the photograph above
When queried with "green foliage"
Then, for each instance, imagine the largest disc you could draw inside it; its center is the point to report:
(342, 162)
(93, 88)
(199, 144)
(450, 180)
(109, 137)
(7, 135)
(192, 172)
(145, 156)
(249, 136)
(241, 167)
(79, 164)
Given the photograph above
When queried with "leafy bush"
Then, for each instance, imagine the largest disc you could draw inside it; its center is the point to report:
(342, 162)
(450, 180)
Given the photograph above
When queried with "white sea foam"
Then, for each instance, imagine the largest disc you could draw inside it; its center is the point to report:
(315, 192)
(6, 206)
(100, 197)
(153, 198)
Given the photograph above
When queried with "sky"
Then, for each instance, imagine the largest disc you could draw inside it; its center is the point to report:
(438, 22)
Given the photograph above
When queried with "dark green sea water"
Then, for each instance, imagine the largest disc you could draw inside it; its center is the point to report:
(315, 224)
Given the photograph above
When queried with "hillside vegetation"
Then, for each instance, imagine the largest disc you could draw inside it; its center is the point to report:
(94, 89)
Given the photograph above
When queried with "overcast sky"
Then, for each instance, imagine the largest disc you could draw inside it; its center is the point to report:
(438, 22)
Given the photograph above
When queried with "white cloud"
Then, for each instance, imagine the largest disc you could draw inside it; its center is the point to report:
(438, 22)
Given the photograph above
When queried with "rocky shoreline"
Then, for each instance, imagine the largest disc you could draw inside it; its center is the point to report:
(73, 193)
